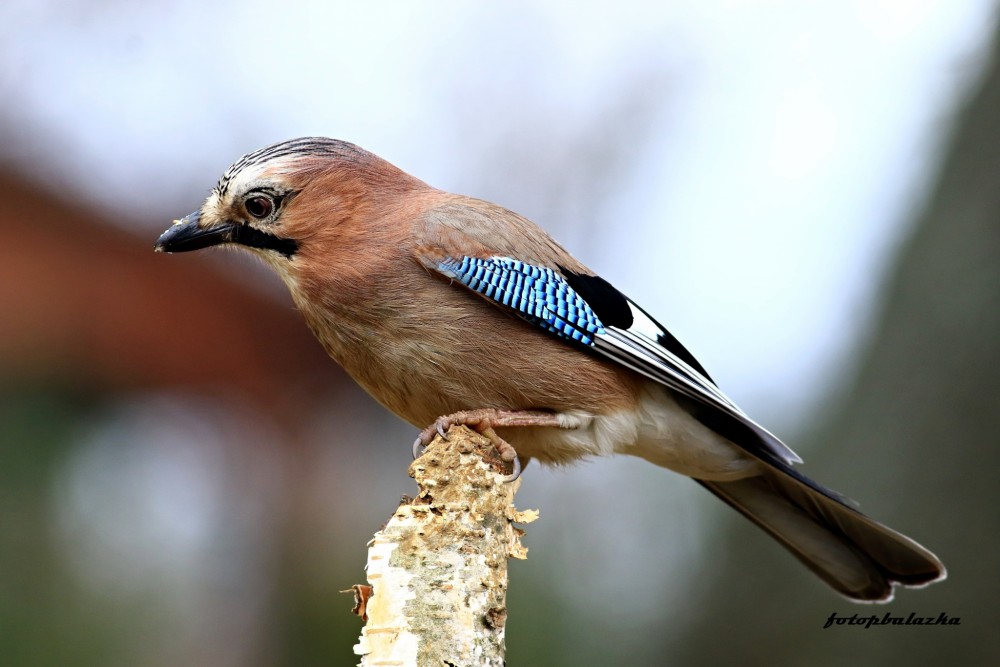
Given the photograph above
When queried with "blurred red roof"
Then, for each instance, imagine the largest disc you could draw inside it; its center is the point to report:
(85, 302)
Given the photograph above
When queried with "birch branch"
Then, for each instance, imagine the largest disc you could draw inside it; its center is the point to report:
(438, 569)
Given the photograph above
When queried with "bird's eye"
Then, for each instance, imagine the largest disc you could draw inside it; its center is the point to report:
(259, 206)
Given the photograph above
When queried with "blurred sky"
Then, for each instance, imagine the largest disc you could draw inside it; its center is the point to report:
(741, 169)
(780, 144)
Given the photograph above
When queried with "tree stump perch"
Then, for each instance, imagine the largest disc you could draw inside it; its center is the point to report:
(438, 569)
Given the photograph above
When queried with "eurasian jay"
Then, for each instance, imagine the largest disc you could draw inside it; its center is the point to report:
(452, 310)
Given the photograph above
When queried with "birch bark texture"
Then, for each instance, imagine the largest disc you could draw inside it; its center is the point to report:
(437, 571)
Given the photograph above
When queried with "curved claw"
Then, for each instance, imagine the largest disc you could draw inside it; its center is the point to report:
(516, 464)
(424, 439)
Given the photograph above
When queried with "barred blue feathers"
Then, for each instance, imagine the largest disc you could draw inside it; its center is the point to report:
(538, 294)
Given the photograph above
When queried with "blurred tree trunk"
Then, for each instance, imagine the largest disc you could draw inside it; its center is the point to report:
(915, 439)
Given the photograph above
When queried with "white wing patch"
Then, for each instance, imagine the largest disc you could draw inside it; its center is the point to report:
(637, 348)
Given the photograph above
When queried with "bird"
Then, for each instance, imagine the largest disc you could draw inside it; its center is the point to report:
(451, 310)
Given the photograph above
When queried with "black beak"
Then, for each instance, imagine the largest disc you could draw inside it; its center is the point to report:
(185, 234)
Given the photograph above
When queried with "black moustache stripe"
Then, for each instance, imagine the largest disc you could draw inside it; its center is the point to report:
(254, 238)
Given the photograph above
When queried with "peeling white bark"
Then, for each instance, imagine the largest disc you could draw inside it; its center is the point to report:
(438, 569)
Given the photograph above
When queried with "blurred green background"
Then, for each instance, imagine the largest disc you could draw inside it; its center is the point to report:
(807, 194)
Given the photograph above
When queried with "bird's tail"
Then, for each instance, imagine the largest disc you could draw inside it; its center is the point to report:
(859, 557)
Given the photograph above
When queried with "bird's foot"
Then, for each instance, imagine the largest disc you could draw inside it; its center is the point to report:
(483, 421)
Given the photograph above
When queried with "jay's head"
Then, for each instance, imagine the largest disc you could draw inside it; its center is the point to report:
(290, 201)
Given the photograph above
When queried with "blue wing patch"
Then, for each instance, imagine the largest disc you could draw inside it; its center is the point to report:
(538, 294)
